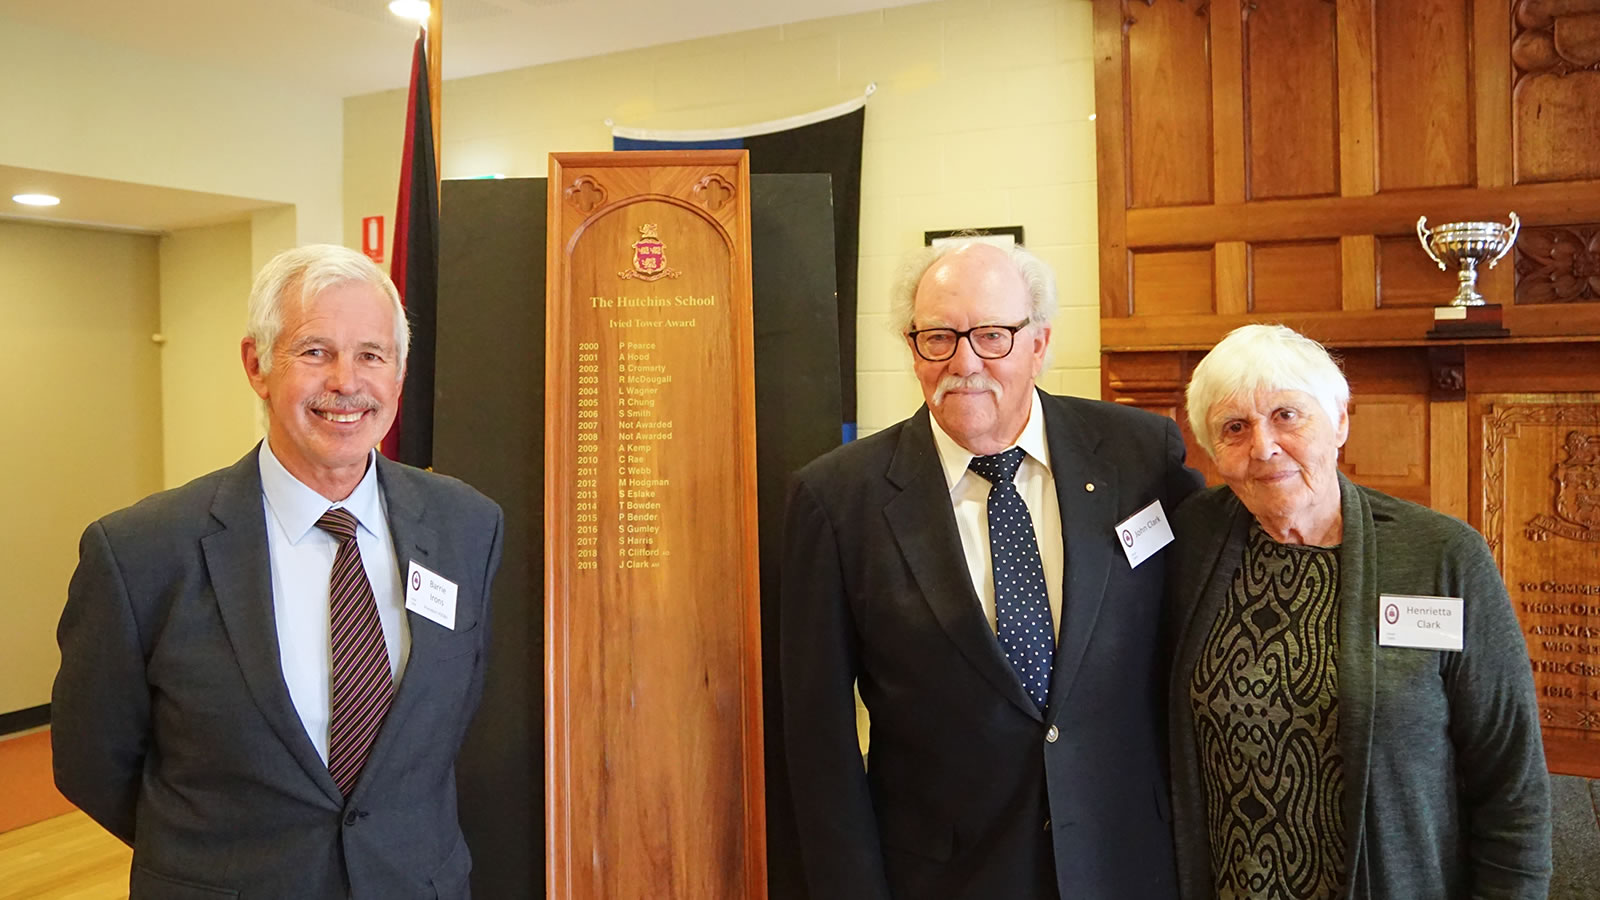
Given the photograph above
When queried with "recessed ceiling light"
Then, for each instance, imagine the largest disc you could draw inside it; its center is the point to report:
(36, 199)
(410, 9)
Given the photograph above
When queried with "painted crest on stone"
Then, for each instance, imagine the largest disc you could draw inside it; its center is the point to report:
(649, 257)
(1577, 501)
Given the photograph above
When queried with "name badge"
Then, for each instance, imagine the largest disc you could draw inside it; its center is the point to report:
(1424, 623)
(1143, 533)
(431, 595)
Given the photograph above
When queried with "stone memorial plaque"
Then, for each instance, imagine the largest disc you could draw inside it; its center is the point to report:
(653, 703)
(1541, 516)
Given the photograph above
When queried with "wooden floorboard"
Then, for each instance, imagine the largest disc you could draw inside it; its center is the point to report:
(65, 858)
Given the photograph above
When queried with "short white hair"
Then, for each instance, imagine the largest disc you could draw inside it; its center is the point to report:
(1263, 357)
(1035, 272)
(301, 274)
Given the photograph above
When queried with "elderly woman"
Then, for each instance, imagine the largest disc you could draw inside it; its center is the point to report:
(1316, 754)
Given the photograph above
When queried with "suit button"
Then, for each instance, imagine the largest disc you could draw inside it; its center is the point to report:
(351, 817)
(1051, 735)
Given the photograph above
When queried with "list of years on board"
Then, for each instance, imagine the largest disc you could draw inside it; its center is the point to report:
(630, 461)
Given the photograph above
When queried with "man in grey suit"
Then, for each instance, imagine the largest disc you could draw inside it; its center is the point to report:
(266, 673)
(963, 569)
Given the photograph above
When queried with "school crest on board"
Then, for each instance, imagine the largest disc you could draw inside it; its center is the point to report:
(1577, 503)
(649, 257)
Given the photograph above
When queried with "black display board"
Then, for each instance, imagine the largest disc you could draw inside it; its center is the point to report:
(489, 432)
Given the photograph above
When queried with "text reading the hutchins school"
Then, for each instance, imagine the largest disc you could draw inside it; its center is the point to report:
(620, 489)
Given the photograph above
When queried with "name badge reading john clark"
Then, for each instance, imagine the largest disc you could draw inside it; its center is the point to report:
(431, 595)
(1143, 533)
(1423, 623)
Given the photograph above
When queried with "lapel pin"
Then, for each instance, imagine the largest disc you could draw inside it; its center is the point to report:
(1089, 487)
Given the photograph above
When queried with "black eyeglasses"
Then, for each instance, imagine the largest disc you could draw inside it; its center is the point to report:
(988, 341)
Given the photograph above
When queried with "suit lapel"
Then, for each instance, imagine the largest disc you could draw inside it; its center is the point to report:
(413, 540)
(236, 559)
(924, 526)
(1086, 520)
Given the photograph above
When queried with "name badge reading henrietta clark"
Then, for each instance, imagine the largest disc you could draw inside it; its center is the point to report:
(1423, 623)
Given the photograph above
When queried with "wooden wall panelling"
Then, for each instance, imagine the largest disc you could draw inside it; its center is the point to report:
(1555, 48)
(1233, 278)
(1447, 431)
(1295, 276)
(1291, 96)
(1357, 137)
(1389, 421)
(1172, 282)
(1111, 158)
(1156, 382)
(1167, 73)
(1573, 202)
(1227, 105)
(1491, 82)
(1407, 277)
(1358, 256)
(1425, 100)
(1560, 264)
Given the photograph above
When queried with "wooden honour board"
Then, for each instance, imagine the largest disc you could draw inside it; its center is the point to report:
(1541, 517)
(653, 685)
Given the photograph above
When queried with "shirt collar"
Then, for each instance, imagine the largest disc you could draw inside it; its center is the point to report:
(955, 458)
(298, 507)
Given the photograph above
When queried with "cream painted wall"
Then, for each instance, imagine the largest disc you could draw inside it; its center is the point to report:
(78, 106)
(83, 419)
(981, 118)
(205, 280)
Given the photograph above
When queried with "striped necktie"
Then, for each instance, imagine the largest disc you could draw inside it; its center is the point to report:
(1021, 603)
(361, 686)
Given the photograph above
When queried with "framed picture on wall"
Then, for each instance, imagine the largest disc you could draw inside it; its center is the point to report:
(1000, 236)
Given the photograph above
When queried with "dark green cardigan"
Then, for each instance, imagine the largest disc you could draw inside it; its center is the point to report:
(1446, 791)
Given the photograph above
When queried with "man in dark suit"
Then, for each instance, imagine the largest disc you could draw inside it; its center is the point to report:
(961, 569)
(266, 673)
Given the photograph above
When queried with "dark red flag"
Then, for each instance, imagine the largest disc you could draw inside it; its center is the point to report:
(415, 269)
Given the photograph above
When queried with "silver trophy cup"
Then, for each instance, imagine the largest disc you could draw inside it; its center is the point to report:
(1467, 245)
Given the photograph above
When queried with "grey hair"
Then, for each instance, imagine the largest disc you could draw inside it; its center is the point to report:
(301, 274)
(1263, 357)
(1035, 272)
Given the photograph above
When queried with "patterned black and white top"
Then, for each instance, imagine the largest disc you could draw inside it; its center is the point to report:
(1265, 692)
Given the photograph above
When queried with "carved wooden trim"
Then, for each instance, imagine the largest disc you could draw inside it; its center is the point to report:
(1504, 421)
(1558, 265)
(1552, 43)
(586, 194)
(1447, 374)
(714, 192)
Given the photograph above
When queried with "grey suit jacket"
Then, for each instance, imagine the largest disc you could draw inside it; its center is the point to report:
(173, 727)
(972, 791)
(1445, 790)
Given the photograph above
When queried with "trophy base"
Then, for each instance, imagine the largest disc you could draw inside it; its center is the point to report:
(1456, 322)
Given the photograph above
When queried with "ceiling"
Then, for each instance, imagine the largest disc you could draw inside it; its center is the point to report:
(117, 204)
(348, 47)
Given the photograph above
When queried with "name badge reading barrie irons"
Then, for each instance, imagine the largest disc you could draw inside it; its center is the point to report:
(431, 595)
(1423, 623)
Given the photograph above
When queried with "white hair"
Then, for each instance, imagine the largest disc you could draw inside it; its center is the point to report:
(1035, 272)
(301, 274)
(1263, 357)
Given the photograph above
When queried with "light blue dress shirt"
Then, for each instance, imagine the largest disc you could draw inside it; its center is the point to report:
(301, 557)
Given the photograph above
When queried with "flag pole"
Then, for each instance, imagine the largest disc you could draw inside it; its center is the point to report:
(436, 79)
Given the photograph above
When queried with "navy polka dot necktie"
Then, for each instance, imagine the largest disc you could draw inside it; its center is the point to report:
(1022, 607)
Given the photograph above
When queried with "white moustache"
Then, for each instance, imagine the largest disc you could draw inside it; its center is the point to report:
(975, 382)
(343, 403)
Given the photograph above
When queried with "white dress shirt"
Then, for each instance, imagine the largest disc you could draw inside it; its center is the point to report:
(301, 557)
(969, 496)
